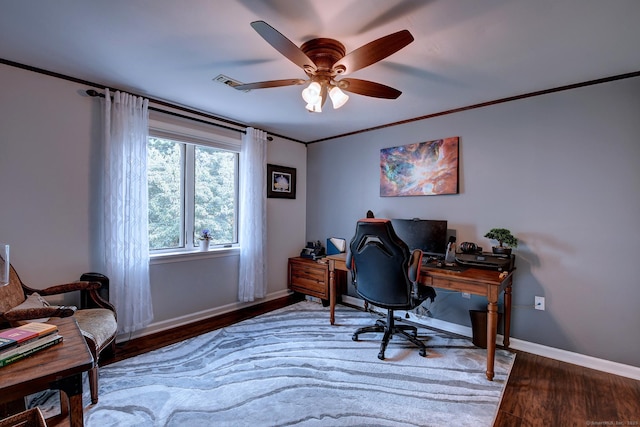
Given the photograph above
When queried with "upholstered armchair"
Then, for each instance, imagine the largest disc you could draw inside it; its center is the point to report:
(20, 304)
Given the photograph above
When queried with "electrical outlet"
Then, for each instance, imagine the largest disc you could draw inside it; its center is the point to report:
(466, 295)
(539, 303)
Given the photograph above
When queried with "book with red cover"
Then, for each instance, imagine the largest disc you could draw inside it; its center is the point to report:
(18, 335)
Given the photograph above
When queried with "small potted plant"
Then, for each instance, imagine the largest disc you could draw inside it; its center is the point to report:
(505, 239)
(205, 238)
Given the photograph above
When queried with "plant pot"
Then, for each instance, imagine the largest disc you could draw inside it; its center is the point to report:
(204, 245)
(501, 250)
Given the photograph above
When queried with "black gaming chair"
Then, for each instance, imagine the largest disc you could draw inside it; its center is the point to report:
(385, 274)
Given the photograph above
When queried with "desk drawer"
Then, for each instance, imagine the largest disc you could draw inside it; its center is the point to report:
(309, 277)
(457, 285)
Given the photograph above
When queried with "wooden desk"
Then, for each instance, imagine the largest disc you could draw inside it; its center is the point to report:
(59, 367)
(475, 281)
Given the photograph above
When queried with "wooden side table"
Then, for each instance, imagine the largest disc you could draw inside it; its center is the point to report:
(59, 367)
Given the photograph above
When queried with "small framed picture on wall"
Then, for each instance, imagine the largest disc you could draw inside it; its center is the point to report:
(281, 182)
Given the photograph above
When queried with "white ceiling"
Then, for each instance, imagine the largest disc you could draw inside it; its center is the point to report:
(465, 51)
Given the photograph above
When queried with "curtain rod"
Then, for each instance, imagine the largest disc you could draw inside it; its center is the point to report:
(95, 93)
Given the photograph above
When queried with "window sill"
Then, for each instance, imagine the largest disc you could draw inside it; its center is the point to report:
(167, 257)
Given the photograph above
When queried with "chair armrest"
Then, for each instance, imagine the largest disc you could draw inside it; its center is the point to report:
(414, 265)
(101, 302)
(419, 292)
(351, 266)
(66, 287)
(39, 313)
(422, 292)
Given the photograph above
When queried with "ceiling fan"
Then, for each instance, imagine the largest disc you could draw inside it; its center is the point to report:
(324, 59)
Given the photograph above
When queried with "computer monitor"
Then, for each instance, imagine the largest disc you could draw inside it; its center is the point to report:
(428, 235)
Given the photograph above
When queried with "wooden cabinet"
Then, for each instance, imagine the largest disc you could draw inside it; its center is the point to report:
(309, 277)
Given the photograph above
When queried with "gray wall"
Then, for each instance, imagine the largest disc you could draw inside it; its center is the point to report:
(562, 171)
(49, 158)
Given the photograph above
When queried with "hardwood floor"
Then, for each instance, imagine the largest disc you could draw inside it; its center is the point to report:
(547, 392)
(540, 391)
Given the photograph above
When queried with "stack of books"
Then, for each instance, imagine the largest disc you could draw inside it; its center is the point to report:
(23, 341)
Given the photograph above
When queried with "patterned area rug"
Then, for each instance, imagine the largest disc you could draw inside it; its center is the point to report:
(291, 367)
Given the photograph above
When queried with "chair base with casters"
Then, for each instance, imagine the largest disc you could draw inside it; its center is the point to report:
(389, 328)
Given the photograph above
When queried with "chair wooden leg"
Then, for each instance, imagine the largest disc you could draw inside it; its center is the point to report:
(93, 384)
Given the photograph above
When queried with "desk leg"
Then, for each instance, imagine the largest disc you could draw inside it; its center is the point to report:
(492, 331)
(332, 291)
(507, 313)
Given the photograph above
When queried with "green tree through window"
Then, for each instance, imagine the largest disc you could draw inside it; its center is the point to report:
(164, 175)
(215, 195)
(191, 187)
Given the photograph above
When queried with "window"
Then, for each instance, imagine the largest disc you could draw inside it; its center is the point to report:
(193, 185)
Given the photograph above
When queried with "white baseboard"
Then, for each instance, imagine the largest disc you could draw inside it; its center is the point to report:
(164, 325)
(516, 344)
(583, 360)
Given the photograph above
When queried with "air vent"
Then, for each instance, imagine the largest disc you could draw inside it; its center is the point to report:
(221, 78)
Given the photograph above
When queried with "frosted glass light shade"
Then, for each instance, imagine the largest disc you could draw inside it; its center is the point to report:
(338, 97)
(315, 107)
(311, 93)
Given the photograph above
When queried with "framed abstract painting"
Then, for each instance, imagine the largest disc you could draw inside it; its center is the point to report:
(420, 169)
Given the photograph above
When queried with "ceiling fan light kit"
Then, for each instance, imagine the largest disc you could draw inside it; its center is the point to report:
(313, 96)
(315, 108)
(338, 97)
(324, 59)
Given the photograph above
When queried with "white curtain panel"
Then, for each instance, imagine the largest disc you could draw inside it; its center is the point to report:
(253, 216)
(125, 215)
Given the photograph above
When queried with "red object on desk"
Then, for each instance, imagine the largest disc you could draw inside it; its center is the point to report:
(18, 335)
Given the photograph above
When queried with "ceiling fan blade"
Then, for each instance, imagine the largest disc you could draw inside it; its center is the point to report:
(284, 45)
(374, 51)
(269, 83)
(367, 88)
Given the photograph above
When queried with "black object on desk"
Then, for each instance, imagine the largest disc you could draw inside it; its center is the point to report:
(441, 265)
(313, 250)
(487, 261)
